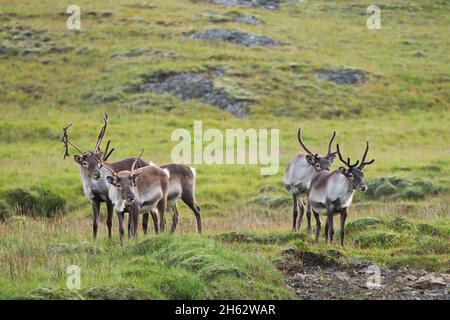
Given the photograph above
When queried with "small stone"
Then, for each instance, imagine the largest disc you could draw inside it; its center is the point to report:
(357, 262)
(373, 285)
(410, 277)
(342, 276)
(431, 282)
(82, 51)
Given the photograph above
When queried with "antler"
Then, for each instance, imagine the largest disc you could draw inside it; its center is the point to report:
(363, 160)
(106, 151)
(65, 140)
(347, 163)
(299, 137)
(101, 134)
(135, 161)
(331, 141)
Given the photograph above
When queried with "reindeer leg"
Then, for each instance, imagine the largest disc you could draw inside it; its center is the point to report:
(162, 214)
(342, 225)
(145, 222)
(121, 216)
(308, 217)
(129, 225)
(316, 215)
(155, 220)
(189, 199)
(134, 216)
(95, 217)
(175, 215)
(110, 209)
(330, 221)
(326, 229)
(294, 212)
(302, 211)
(198, 217)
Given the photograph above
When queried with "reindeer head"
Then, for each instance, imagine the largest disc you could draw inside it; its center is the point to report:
(318, 162)
(124, 181)
(354, 172)
(87, 160)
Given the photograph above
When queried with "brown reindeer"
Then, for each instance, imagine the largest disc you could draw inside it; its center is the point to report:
(95, 188)
(181, 186)
(137, 190)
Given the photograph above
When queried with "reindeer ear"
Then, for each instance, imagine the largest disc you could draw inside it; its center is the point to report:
(331, 157)
(133, 177)
(310, 159)
(343, 170)
(111, 180)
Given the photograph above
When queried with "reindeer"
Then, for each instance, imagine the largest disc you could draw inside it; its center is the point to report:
(137, 190)
(181, 186)
(94, 188)
(332, 193)
(298, 175)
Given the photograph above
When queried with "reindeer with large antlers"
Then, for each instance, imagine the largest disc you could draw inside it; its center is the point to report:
(332, 192)
(298, 175)
(95, 188)
(137, 190)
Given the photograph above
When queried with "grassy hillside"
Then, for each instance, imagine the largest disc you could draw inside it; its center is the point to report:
(52, 76)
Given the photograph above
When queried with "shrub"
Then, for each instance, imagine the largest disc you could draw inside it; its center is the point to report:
(400, 223)
(362, 224)
(37, 201)
(428, 230)
(5, 211)
(378, 240)
(400, 188)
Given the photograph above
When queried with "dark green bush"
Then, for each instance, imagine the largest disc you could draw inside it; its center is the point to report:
(378, 239)
(399, 224)
(362, 224)
(5, 211)
(400, 188)
(37, 201)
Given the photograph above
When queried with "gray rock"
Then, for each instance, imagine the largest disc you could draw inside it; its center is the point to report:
(267, 4)
(56, 50)
(82, 50)
(3, 49)
(234, 36)
(344, 76)
(189, 85)
(248, 20)
(429, 281)
(232, 16)
(342, 276)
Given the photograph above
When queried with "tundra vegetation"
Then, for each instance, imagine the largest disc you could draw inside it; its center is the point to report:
(323, 69)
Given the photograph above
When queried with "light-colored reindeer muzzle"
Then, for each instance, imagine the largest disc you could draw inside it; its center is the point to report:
(96, 175)
(362, 188)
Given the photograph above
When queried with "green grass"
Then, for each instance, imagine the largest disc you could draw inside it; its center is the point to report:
(402, 110)
(162, 267)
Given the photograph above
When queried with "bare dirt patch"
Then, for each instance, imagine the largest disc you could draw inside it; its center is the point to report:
(317, 276)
